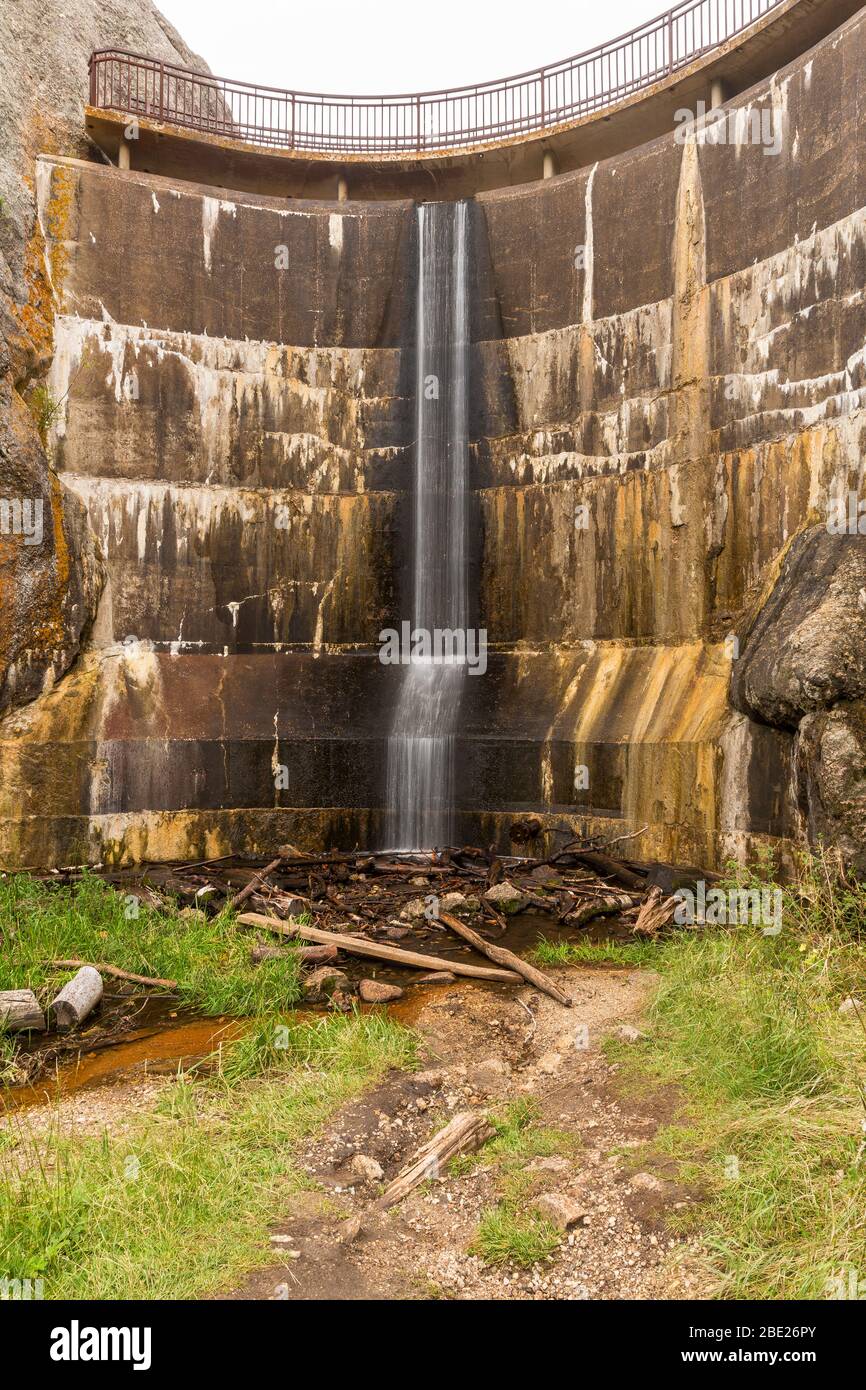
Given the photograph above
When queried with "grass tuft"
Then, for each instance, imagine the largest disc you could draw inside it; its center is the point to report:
(636, 953)
(508, 1235)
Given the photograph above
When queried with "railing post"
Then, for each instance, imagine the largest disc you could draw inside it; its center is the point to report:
(418, 135)
(91, 68)
(162, 91)
(543, 102)
(670, 40)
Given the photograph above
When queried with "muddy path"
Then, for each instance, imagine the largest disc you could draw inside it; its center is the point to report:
(486, 1048)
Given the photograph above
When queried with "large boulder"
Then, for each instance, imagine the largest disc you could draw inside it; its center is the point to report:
(806, 649)
(803, 668)
(830, 773)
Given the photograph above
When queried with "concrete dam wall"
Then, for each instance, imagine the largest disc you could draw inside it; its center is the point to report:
(667, 370)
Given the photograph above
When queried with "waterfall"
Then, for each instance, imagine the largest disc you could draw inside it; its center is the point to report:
(420, 778)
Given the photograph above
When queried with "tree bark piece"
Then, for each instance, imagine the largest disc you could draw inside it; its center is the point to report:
(20, 1011)
(361, 946)
(465, 1133)
(657, 911)
(254, 882)
(115, 972)
(507, 958)
(78, 998)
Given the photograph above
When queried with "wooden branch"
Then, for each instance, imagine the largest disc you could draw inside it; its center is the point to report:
(467, 1131)
(114, 972)
(506, 958)
(360, 946)
(254, 882)
(20, 1011)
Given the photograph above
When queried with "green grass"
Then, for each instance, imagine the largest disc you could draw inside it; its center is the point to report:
(209, 957)
(549, 952)
(181, 1204)
(748, 1027)
(513, 1232)
(43, 408)
(508, 1235)
(516, 1140)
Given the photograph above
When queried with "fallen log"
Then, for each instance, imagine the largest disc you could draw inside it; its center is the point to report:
(466, 1132)
(114, 972)
(317, 955)
(361, 946)
(262, 953)
(598, 907)
(20, 1011)
(78, 998)
(506, 958)
(254, 882)
(606, 867)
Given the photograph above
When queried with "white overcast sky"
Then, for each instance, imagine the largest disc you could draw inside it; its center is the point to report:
(358, 46)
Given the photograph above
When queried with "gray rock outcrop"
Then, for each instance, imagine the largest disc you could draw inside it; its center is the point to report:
(51, 578)
(803, 669)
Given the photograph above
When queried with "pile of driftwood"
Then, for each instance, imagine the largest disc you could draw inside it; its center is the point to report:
(364, 904)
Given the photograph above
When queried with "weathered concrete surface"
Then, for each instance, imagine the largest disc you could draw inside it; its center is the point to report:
(49, 589)
(668, 385)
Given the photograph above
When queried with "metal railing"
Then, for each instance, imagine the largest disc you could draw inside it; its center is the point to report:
(420, 122)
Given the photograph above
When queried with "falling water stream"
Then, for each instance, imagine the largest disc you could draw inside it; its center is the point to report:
(420, 777)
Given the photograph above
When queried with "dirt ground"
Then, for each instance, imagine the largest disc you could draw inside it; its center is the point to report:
(485, 1047)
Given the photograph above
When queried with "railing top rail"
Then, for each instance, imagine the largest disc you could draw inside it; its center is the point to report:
(587, 81)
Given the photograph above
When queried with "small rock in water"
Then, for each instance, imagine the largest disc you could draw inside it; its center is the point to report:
(397, 933)
(414, 910)
(458, 904)
(374, 992)
(366, 1168)
(561, 1210)
(506, 897)
(436, 977)
(325, 981)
